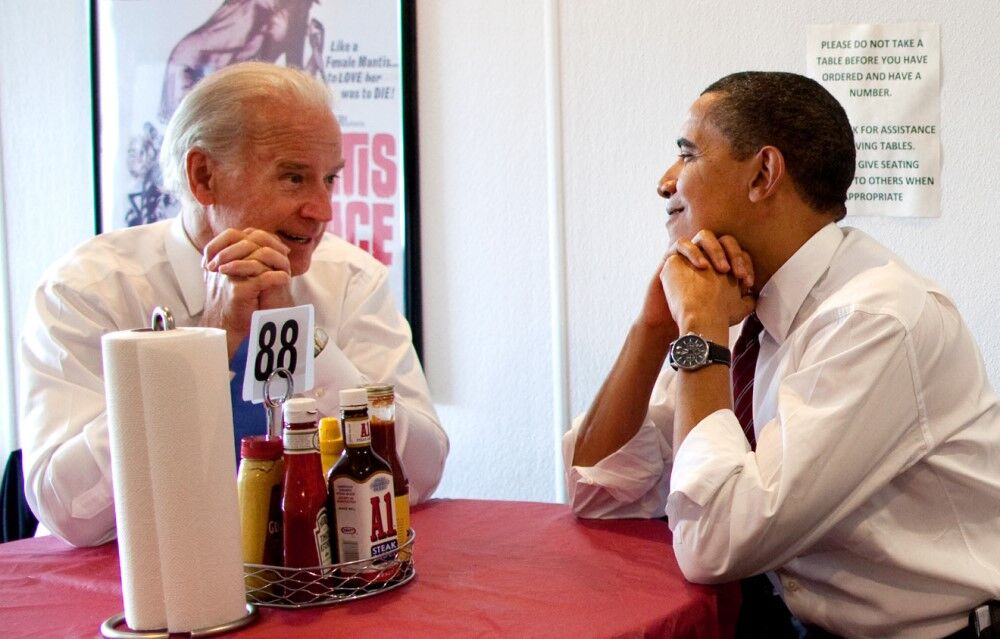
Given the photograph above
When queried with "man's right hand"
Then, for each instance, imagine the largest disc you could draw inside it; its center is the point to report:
(245, 271)
(655, 314)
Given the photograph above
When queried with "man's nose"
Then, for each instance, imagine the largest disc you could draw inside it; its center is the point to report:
(320, 205)
(667, 185)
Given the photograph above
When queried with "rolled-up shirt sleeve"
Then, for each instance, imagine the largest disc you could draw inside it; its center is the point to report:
(64, 432)
(632, 481)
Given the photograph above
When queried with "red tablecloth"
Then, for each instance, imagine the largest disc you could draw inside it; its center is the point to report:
(484, 569)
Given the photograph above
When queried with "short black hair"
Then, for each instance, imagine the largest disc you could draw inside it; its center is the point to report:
(800, 118)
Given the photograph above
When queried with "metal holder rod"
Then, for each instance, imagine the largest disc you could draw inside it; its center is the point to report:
(109, 629)
(273, 405)
(161, 319)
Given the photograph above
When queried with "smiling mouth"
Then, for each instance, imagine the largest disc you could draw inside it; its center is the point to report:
(296, 239)
(673, 210)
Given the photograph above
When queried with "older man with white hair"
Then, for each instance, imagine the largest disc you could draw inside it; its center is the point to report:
(252, 153)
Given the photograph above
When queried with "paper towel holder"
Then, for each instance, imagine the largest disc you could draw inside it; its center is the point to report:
(161, 319)
(109, 629)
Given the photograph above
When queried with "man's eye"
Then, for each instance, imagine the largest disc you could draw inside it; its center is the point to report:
(331, 179)
(684, 156)
(294, 178)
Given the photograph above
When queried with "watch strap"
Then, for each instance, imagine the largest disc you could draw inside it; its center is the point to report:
(718, 354)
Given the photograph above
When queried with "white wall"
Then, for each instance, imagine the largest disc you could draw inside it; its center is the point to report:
(629, 70)
(45, 134)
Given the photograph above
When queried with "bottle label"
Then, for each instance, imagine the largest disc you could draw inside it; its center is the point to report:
(321, 532)
(273, 537)
(366, 522)
(357, 432)
(301, 442)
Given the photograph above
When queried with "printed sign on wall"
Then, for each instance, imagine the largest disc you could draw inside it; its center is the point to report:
(888, 78)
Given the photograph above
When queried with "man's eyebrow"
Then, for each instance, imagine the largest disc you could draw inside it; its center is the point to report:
(291, 165)
(684, 143)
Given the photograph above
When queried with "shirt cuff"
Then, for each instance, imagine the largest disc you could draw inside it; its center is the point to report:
(712, 452)
(626, 475)
(335, 372)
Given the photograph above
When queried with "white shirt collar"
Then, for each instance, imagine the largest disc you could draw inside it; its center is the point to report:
(186, 262)
(783, 295)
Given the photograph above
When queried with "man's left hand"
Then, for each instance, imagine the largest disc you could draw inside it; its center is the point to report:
(257, 251)
(708, 282)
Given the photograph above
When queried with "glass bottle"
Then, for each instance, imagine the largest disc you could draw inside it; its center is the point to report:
(361, 500)
(303, 504)
(331, 443)
(382, 411)
(258, 484)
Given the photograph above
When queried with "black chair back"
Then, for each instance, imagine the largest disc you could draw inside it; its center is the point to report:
(18, 520)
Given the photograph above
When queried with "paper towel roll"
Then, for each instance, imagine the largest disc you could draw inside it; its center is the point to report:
(171, 433)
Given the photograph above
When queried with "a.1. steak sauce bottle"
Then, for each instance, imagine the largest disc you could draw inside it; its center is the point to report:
(361, 499)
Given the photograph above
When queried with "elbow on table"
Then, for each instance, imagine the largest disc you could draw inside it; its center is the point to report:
(701, 573)
(81, 533)
(704, 567)
(93, 527)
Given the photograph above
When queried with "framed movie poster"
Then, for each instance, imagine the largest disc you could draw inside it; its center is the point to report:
(147, 54)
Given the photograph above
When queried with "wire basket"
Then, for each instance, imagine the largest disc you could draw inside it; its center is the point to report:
(281, 587)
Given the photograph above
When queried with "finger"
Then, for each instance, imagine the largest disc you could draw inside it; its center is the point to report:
(739, 259)
(241, 250)
(274, 279)
(219, 242)
(713, 250)
(247, 250)
(242, 269)
(692, 253)
(264, 238)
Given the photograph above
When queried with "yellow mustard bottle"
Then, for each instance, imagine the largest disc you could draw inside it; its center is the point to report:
(258, 485)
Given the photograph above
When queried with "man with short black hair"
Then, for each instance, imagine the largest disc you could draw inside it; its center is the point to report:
(853, 451)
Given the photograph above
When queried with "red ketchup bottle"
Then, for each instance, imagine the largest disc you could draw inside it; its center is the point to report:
(303, 502)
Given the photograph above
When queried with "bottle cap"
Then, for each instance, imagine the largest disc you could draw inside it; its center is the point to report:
(353, 398)
(300, 409)
(376, 391)
(331, 440)
(261, 448)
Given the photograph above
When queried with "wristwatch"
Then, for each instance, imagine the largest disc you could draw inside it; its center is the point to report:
(692, 351)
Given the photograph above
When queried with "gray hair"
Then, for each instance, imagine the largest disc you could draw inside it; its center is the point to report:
(217, 115)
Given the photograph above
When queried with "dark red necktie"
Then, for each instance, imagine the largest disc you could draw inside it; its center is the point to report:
(744, 367)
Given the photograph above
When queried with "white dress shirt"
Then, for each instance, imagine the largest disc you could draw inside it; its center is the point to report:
(874, 492)
(113, 282)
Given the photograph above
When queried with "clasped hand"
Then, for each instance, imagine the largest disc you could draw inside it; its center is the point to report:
(244, 271)
(704, 280)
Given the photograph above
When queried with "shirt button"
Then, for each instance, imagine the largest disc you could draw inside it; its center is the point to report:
(791, 585)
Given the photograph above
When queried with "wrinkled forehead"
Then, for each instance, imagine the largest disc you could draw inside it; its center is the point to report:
(279, 130)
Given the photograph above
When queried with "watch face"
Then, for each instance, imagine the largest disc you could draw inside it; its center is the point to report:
(690, 351)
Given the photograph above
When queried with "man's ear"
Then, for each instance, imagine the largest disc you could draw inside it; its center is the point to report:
(769, 172)
(200, 170)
